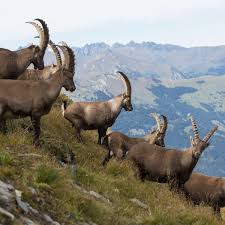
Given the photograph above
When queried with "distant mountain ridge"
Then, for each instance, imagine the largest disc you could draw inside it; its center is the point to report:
(163, 61)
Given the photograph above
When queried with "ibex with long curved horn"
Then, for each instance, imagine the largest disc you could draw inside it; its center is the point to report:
(14, 63)
(22, 98)
(118, 144)
(46, 73)
(206, 189)
(169, 165)
(98, 115)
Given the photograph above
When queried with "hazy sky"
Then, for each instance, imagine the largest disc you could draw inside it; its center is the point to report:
(182, 22)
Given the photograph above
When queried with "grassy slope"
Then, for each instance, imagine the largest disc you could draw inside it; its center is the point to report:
(57, 196)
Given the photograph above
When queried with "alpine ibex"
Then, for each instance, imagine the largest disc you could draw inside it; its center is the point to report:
(118, 144)
(22, 98)
(206, 189)
(14, 63)
(169, 165)
(46, 73)
(98, 115)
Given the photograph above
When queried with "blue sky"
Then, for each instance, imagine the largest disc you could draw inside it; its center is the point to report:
(182, 22)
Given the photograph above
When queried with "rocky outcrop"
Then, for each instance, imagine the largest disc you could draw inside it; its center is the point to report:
(14, 209)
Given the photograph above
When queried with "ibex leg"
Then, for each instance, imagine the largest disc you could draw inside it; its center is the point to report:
(3, 126)
(174, 184)
(140, 172)
(101, 134)
(78, 134)
(36, 126)
(216, 210)
(2, 121)
(107, 158)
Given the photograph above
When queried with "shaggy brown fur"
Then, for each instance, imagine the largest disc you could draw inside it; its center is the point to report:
(206, 189)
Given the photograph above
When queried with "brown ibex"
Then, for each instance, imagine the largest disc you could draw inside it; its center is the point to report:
(98, 115)
(14, 63)
(169, 165)
(206, 189)
(46, 73)
(118, 144)
(22, 98)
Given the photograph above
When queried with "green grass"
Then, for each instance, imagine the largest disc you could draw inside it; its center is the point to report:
(25, 166)
(5, 159)
(47, 175)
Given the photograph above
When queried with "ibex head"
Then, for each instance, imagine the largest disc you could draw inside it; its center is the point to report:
(67, 79)
(198, 145)
(158, 135)
(127, 105)
(39, 51)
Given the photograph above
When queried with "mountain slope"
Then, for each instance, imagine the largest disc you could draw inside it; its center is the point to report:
(90, 194)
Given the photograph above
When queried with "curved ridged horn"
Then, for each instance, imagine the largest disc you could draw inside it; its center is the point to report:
(71, 64)
(65, 56)
(126, 82)
(194, 128)
(210, 134)
(56, 52)
(164, 126)
(157, 119)
(45, 31)
(156, 137)
(43, 34)
(69, 57)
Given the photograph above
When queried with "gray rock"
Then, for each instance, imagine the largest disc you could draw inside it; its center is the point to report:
(50, 220)
(11, 198)
(93, 194)
(32, 210)
(98, 196)
(23, 205)
(7, 214)
(139, 203)
(6, 186)
(32, 190)
(27, 221)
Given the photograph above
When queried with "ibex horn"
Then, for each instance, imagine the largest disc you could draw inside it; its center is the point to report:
(126, 82)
